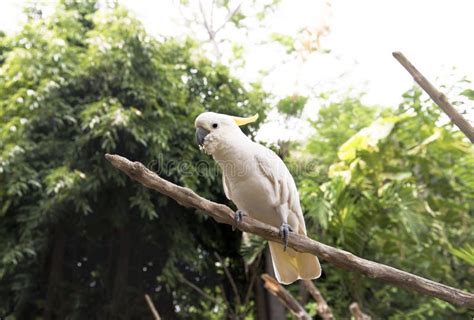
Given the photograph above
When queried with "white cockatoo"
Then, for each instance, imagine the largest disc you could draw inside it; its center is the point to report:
(261, 186)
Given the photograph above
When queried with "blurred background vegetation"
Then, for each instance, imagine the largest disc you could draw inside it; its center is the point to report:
(393, 184)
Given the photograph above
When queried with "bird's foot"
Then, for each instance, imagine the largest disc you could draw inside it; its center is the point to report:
(238, 216)
(285, 230)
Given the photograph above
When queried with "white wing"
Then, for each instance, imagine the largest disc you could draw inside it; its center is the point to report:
(226, 187)
(284, 187)
(288, 265)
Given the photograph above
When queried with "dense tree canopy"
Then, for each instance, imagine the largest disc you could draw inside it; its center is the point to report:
(394, 187)
(76, 238)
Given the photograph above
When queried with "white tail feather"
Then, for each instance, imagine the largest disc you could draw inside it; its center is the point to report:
(290, 265)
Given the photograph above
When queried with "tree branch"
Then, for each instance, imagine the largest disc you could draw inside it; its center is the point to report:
(337, 257)
(357, 313)
(152, 307)
(199, 290)
(285, 297)
(227, 19)
(238, 302)
(210, 32)
(323, 309)
(438, 97)
(253, 277)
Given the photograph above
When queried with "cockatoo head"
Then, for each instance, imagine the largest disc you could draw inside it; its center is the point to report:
(215, 130)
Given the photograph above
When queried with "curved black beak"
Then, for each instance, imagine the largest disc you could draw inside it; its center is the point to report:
(200, 135)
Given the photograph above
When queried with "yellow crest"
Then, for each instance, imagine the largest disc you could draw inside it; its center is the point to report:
(242, 121)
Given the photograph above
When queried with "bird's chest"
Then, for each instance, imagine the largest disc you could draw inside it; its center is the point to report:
(255, 196)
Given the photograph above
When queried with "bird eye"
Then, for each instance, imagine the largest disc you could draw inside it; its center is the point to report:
(214, 125)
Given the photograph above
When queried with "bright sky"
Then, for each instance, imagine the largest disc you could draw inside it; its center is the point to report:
(436, 35)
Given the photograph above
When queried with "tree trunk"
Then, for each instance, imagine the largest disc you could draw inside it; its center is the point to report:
(276, 311)
(53, 296)
(267, 306)
(260, 304)
(303, 293)
(121, 275)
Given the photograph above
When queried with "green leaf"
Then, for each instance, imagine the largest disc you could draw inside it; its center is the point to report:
(466, 254)
(469, 93)
(368, 138)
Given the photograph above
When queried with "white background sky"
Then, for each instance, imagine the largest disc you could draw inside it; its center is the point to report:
(436, 35)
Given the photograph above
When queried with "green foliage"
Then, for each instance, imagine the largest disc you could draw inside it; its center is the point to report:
(468, 93)
(77, 238)
(336, 123)
(287, 42)
(466, 254)
(292, 105)
(400, 191)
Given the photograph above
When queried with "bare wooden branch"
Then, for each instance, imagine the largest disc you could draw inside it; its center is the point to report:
(213, 5)
(209, 30)
(272, 285)
(337, 257)
(438, 97)
(231, 314)
(199, 290)
(152, 307)
(238, 302)
(228, 18)
(323, 309)
(357, 312)
(253, 277)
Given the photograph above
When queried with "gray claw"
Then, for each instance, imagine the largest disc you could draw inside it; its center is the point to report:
(238, 216)
(285, 230)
